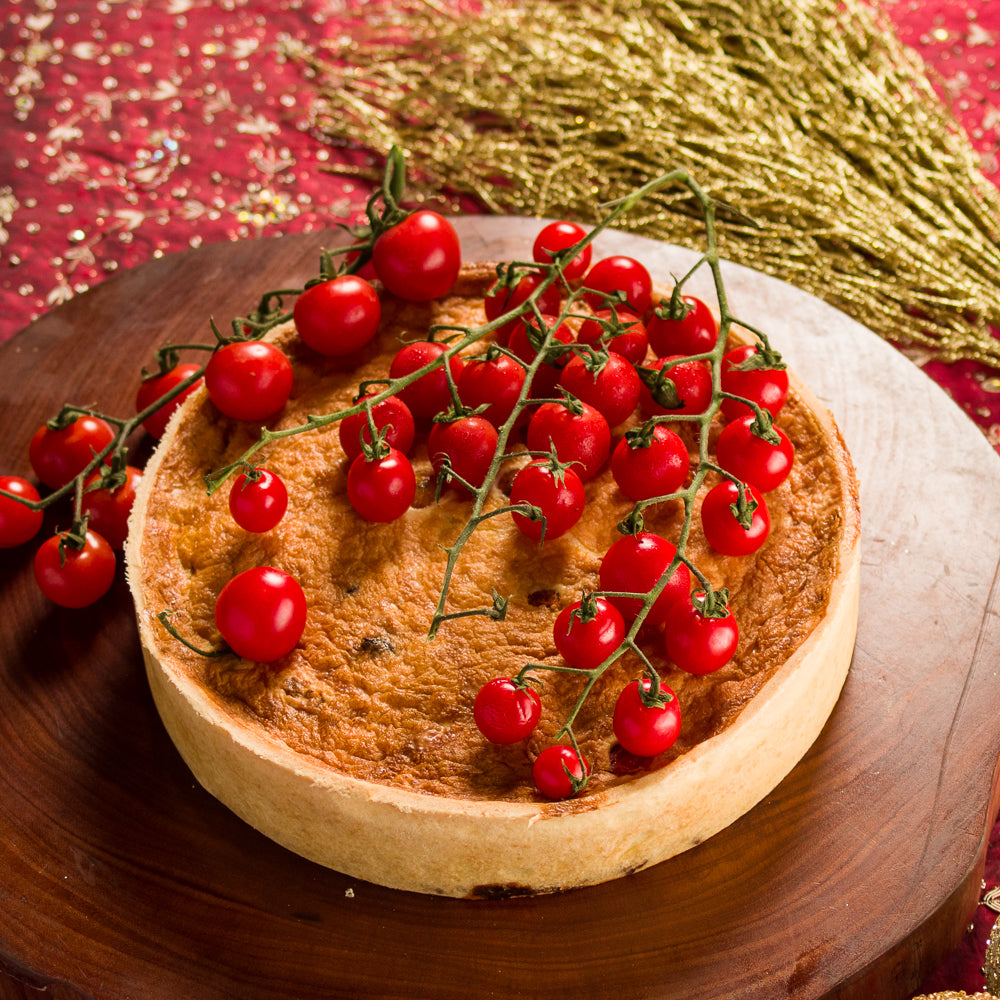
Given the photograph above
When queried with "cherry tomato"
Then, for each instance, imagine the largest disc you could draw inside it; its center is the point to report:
(381, 489)
(338, 316)
(391, 413)
(692, 381)
(493, 381)
(643, 729)
(558, 494)
(505, 711)
(654, 469)
(505, 299)
(108, 509)
(258, 501)
(429, 394)
(696, 332)
(635, 564)
(699, 643)
(249, 379)
(522, 346)
(74, 578)
(261, 613)
(752, 459)
(767, 387)
(152, 389)
(588, 631)
(607, 382)
(419, 258)
(558, 236)
(581, 438)
(721, 527)
(468, 444)
(559, 772)
(18, 524)
(622, 332)
(619, 274)
(59, 456)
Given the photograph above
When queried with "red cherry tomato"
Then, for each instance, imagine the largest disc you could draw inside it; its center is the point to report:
(767, 387)
(587, 632)
(258, 501)
(692, 381)
(659, 468)
(619, 274)
(635, 564)
(391, 413)
(621, 332)
(74, 578)
(108, 509)
(506, 712)
(505, 299)
(381, 489)
(419, 258)
(495, 382)
(699, 643)
(558, 236)
(429, 394)
(261, 613)
(18, 524)
(721, 527)
(523, 341)
(339, 316)
(583, 439)
(249, 380)
(59, 456)
(642, 729)
(609, 384)
(752, 459)
(696, 332)
(152, 389)
(559, 772)
(469, 444)
(558, 494)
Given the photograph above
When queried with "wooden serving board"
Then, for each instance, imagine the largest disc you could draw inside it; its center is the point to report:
(121, 878)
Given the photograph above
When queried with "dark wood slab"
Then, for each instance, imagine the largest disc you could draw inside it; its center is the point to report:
(121, 878)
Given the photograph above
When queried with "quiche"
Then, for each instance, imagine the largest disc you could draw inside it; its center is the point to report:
(359, 750)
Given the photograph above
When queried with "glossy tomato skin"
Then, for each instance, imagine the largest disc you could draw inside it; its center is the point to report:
(752, 459)
(494, 382)
(506, 712)
(546, 378)
(504, 299)
(429, 394)
(152, 389)
(469, 443)
(646, 730)
(560, 497)
(18, 524)
(721, 528)
(695, 333)
(550, 768)
(261, 613)
(419, 258)
(381, 489)
(619, 273)
(59, 456)
(339, 316)
(613, 389)
(391, 413)
(249, 380)
(583, 439)
(629, 338)
(558, 236)
(692, 380)
(697, 643)
(767, 387)
(108, 510)
(635, 564)
(258, 502)
(653, 471)
(75, 578)
(586, 644)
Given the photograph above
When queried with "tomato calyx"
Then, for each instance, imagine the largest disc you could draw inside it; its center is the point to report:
(643, 435)
(675, 308)
(763, 426)
(711, 603)
(764, 357)
(652, 693)
(744, 506)
(378, 447)
(661, 386)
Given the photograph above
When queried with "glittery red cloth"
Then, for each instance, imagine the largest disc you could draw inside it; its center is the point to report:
(135, 128)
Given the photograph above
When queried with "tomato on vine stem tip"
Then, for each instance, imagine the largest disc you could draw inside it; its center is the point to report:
(58, 456)
(258, 500)
(555, 490)
(494, 381)
(430, 393)
(695, 331)
(261, 613)
(650, 461)
(673, 385)
(339, 316)
(390, 415)
(156, 387)
(419, 258)
(503, 298)
(635, 564)
(576, 431)
(466, 445)
(644, 725)
(606, 381)
(588, 631)
(731, 527)
(751, 458)
(108, 507)
(619, 274)
(506, 711)
(699, 641)
(620, 331)
(766, 386)
(18, 524)
(249, 379)
(557, 236)
(560, 772)
(74, 577)
(381, 487)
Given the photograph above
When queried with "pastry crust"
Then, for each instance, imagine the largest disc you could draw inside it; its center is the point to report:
(441, 812)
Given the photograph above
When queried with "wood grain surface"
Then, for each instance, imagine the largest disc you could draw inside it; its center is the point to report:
(121, 878)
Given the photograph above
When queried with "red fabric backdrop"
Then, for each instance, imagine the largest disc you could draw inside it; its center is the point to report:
(134, 128)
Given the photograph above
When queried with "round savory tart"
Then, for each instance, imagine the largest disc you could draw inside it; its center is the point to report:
(359, 750)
